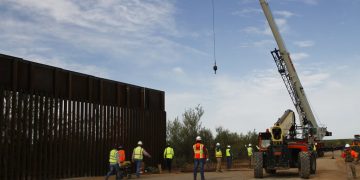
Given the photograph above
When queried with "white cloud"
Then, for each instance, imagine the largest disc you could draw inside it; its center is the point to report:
(128, 30)
(127, 16)
(72, 66)
(313, 80)
(178, 70)
(260, 43)
(280, 22)
(285, 14)
(304, 44)
(299, 56)
(256, 101)
(311, 2)
(253, 30)
(247, 12)
(308, 2)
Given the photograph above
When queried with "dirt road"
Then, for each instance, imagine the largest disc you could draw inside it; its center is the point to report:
(327, 168)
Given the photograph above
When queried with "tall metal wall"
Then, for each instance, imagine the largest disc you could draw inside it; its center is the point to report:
(58, 124)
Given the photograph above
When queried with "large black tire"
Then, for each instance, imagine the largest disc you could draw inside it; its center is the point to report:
(304, 169)
(313, 163)
(258, 164)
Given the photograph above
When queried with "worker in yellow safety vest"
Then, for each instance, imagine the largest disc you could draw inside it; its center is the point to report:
(168, 156)
(250, 153)
(218, 155)
(114, 164)
(229, 157)
(315, 149)
(138, 155)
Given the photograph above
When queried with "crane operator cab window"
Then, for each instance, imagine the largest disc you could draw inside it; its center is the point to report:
(265, 139)
(276, 134)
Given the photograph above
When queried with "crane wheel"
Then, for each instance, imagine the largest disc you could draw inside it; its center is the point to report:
(258, 168)
(304, 169)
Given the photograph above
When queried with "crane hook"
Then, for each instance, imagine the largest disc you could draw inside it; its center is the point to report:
(215, 68)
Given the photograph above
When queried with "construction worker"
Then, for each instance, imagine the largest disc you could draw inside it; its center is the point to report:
(121, 154)
(350, 156)
(122, 158)
(137, 157)
(229, 157)
(168, 156)
(200, 153)
(250, 153)
(113, 164)
(315, 149)
(218, 155)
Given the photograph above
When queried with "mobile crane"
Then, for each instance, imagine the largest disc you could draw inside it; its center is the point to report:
(282, 147)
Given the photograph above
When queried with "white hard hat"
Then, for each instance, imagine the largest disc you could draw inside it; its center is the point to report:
(198, 138)
(347, 145)
(249, 144)
(139, 143)
(217, 144)
(228, 146)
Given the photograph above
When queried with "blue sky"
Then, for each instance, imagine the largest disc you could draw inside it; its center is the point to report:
(168, 45)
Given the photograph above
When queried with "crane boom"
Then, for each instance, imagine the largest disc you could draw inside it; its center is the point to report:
(292, 81)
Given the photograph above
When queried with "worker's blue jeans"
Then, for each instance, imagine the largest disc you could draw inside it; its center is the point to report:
(114, 169)
(197, 163)
(228, 160)
(138, 166)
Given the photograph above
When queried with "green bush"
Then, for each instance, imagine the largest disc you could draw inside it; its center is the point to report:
(181, 135)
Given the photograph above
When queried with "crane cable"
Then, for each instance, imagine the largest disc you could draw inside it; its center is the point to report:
(213, 8)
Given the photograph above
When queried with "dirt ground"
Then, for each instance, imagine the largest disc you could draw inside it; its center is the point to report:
(327, 168)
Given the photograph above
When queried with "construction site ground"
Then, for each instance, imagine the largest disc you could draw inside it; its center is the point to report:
(327, 168)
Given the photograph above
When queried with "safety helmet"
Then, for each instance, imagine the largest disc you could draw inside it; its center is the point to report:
(140, 143)
(198, 138)
(249, 144)
(228, 146)
(120, 147)
(347, 145)
(217, 144)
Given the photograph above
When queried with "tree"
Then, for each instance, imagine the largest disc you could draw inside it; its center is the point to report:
(181, 135)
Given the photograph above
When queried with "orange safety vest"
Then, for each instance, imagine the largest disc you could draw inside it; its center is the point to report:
(121, 156)
(198, 151)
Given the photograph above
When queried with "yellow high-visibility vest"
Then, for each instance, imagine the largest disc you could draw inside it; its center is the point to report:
(228, 153)
(138, 152)
(250, 151)
(113, 156)
(169, 153)
(218, 153)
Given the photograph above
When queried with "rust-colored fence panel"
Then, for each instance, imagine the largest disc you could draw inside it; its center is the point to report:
(59, 124)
